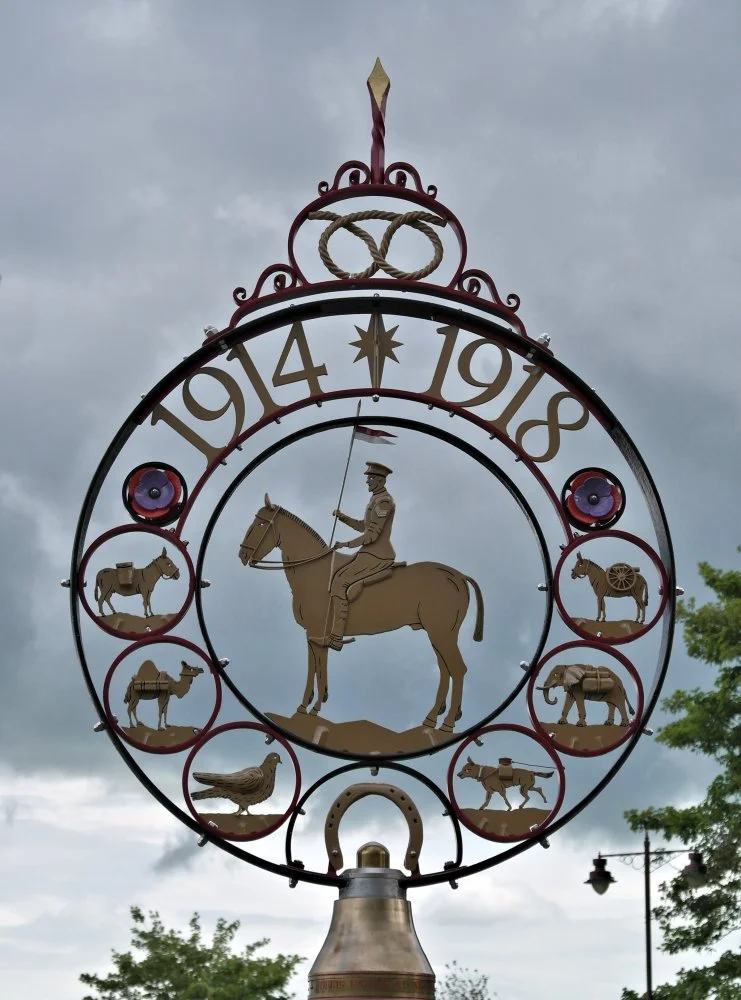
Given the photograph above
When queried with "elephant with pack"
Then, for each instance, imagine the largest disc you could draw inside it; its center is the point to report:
(582, 682)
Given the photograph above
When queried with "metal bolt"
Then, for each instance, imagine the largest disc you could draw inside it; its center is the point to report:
(412, 854)
(65, 583)
(544, 842)
(376, 398)
(374, 770)
(478, 741)
(204, 584)
(224, 661)
(239, 446)
(542, 587)
(202, 841)
(292, 883)
(100, 726)
(524, 665)
(335, 853)
(647, 731)
(301, 812)
(268, 738)
(679, 591)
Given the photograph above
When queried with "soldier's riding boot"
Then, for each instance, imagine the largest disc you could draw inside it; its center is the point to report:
(336, 637)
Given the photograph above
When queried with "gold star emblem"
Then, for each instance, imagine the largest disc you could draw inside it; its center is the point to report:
(376, 344)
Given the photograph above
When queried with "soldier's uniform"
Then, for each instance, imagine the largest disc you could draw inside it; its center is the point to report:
(376, 552)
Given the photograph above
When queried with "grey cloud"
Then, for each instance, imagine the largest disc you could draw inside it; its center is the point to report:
(591, 160)
(177, 854)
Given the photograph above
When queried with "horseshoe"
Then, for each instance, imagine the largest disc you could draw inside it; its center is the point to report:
(353, 794)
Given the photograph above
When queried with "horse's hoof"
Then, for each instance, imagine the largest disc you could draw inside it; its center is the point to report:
(459, 716)
(609, 723)
(429, 723)
(447, 727)
(315, 710)
(442, 709)
(581, 723)
(301, 710)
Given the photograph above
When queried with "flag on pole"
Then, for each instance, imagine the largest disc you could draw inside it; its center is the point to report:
(371, 435)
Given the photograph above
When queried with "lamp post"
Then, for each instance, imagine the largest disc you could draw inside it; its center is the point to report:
(600, 878)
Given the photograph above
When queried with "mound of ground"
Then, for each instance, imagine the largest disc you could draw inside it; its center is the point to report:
(135, 624)
(610, 630)
(173, 736)
(587, 737)
(229, 823)
(359, 737)
(503, 823)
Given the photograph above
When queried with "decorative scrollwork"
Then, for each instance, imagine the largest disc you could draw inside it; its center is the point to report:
(357, 173)
(421, 221)
(403, 171)
(470, 281)
(282, 275)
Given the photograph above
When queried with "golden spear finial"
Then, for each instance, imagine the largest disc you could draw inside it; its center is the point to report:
(378, 87)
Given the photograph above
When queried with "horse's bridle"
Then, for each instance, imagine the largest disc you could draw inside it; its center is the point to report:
(278, 563)
(172, 576)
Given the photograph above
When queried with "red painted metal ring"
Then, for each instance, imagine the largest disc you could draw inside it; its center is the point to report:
(228, 727)
(168, 536)
(549, 749)
(608, 651)
(627, 537)
(134, 648)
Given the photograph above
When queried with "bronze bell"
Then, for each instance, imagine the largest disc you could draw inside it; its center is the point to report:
(372, 951)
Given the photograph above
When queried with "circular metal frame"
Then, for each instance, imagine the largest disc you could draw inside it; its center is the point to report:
(513, 727)
(540, 727)
(598, 524)
(390, 765)
(407, 424)
(176, 511)
(626, 537)
(135, 647)
(231, 727)
(365, 298)
(170, 539)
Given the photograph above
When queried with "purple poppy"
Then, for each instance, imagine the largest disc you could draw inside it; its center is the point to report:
(154, 490)
(593, 498)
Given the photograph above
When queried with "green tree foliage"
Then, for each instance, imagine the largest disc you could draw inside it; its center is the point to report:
(175, 966)
(463, 984)
(707, 722)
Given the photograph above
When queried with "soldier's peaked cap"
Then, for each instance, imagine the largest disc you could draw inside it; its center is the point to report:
(376, 469)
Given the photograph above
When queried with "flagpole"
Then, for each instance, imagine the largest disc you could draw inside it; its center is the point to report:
(344, 478)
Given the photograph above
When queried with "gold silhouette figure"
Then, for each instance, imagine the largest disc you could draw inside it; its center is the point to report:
(245, 788)
(371, 593)
(376, 555)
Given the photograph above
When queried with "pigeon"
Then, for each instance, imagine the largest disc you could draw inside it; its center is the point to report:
(245, 788)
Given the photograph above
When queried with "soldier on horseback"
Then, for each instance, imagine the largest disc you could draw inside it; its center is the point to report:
(376, 552)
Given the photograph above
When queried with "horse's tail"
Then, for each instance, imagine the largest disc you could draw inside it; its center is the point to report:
(630, 707)
(645, 592)
(542, 774)
(478, 629)
(129, 690)
(98, 588)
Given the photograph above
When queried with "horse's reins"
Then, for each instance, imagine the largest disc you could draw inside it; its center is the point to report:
(280, 563)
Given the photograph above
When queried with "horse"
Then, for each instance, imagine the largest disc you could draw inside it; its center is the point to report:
(628, 582)
(149, 683)
(425, 595)
(143, 581)
(492, 781)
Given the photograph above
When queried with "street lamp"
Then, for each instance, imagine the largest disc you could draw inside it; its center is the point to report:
(600, 878)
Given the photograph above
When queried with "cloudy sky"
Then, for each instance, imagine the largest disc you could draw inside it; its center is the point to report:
(153, 157)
